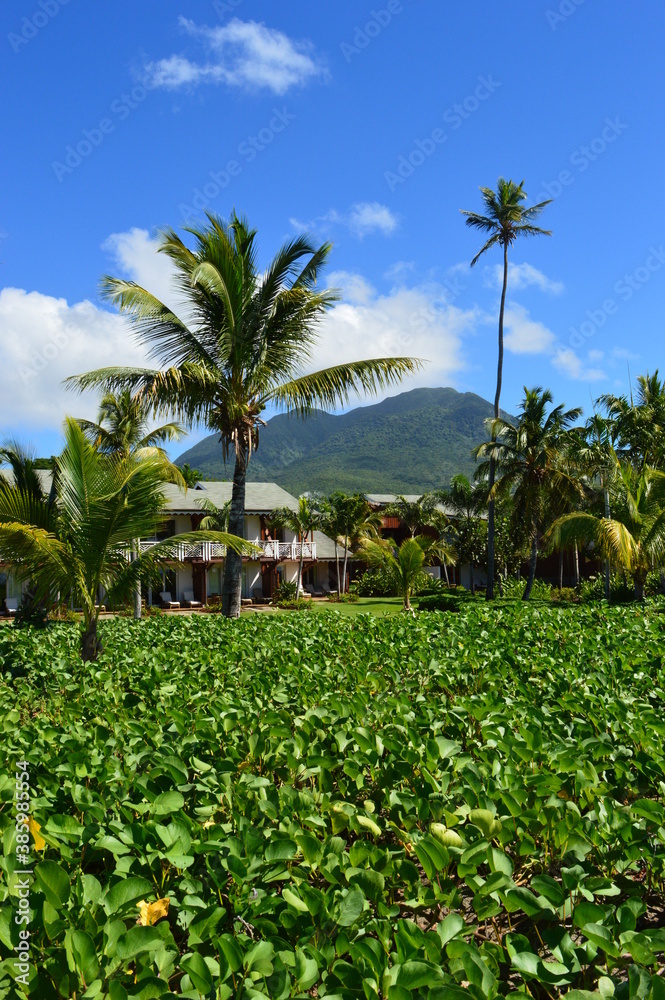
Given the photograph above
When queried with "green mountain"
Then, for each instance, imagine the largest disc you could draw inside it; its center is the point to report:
(406, 444)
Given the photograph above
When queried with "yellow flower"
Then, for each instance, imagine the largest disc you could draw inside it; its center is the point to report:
(34, 828)
(150, 913)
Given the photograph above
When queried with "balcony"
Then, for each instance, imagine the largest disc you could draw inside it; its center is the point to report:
(207, 551)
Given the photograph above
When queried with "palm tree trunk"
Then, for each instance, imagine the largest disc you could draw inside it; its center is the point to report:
(577, 566)
(639, 579)
(337, 565)
(137, 589)
(607, 561)
(560, 569)
(532, 567)
(445, 573)
(346, 556)
(232, 584)
(90, 644)
(489, 593)
(302, 547)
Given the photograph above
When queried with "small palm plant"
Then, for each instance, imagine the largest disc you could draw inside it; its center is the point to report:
(80, 546)
(301, 522)
(415, 514)
(122, 426)
(402, 565)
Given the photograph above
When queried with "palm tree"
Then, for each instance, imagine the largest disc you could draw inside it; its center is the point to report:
(414, 514)
(245, 346)
(529, 458)
(404, 564)
(301, 522)
(358, 522)
(216, 518)
(122, 425)
(592, 453)
(639, 425)
(634, 537)
(191, 476)
(81, 545)
(505, 220)
(465, 502)
(122, 429)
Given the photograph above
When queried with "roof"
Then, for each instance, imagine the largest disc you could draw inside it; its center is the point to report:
(260, 498)
(325, 547)
(384, 499)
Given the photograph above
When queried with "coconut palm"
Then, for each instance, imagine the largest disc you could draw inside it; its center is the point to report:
(403, 565)
(529, 459)
(190, 475)
(358, 522)
(301, 522)
(506, 219)
(80, 545)
(414, 514)
(639, 424)
(634, 537)
(122, 426)
(245, 345)
(465, 502)
(216, 518)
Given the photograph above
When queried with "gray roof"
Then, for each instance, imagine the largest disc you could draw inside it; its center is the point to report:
(325, 547)
(260, 498)
(384, 499)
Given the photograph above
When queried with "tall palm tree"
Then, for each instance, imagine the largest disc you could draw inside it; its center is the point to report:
(465, 501)
(505, 220)
(634, 537)
(592, 453)
(245, 346)
(301, 522)
(81, 545)
(404, 564)
(122, 425)
(529, 458)
(358, 522)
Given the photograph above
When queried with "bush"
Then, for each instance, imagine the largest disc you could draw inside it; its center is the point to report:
(31, 613)
(61, 613)
(343, 598)
(294, 604)
(445, 599)
(622, 591)
(377, 583)
(285, 591)
(565, 595)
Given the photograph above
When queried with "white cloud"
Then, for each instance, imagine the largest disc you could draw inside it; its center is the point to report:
(522, 276)
(413, 322)
(524, 335)
(44, 341)
(135, 255)
(369, 217)
(362, 219)
(569, 363)
(242, 54)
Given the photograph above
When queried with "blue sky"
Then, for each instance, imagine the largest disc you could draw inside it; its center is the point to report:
(368, 124)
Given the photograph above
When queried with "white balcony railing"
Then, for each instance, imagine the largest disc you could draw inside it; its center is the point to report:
(207, 551)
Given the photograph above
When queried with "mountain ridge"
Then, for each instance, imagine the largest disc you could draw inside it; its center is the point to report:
(408, 443)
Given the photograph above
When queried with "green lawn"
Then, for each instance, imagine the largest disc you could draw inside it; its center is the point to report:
(371, 605)
(340, 805)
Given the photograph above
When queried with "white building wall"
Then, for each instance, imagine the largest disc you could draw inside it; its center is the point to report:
(252, 527)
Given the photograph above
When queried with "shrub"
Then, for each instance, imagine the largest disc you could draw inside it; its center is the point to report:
(377, 583)
(294, 604)
(285, 591)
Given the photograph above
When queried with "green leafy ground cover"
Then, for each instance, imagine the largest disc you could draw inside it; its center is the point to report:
(450, 805)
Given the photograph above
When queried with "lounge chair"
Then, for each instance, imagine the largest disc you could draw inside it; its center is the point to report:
(258, 597)
(165, 597)
(312, 591)
(11, 603)
(325, 587)
(189, 600)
